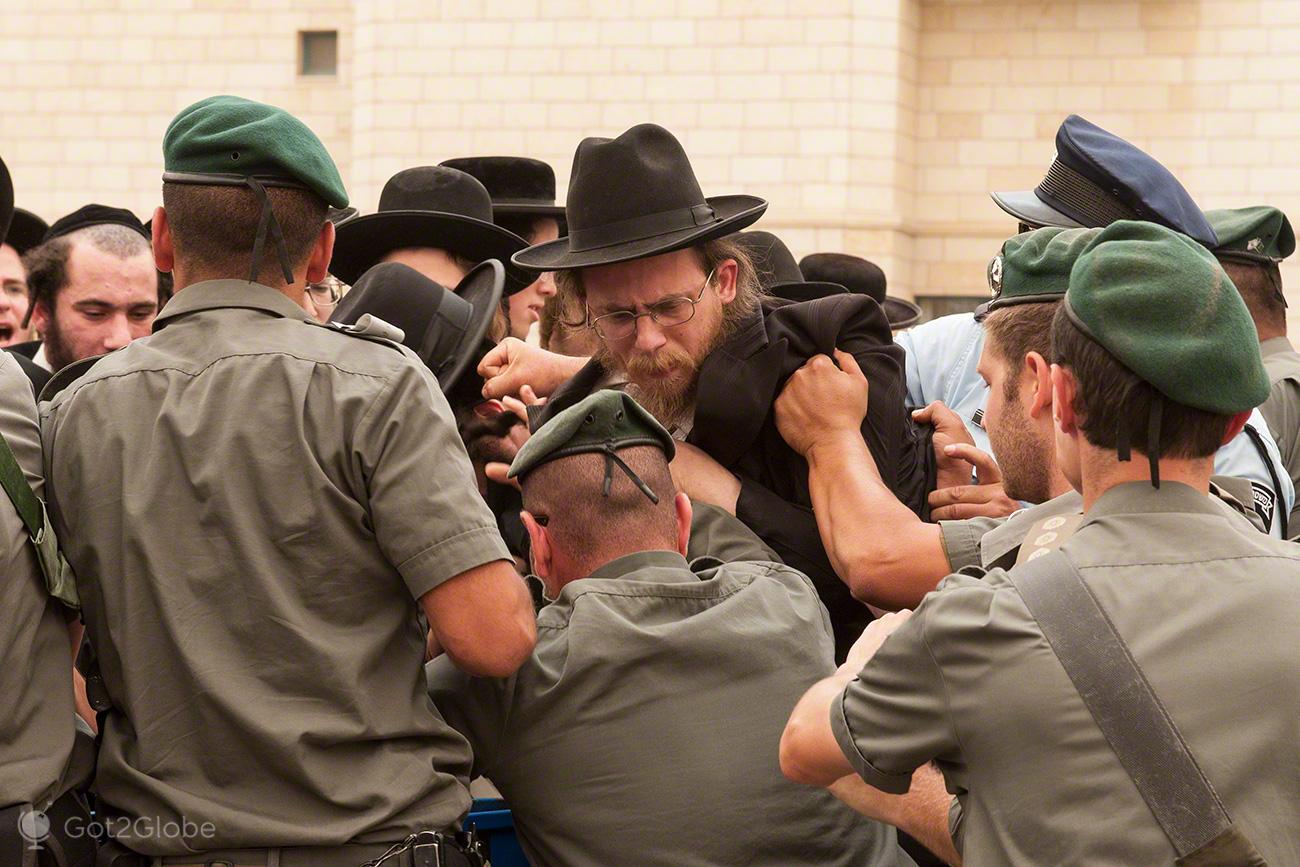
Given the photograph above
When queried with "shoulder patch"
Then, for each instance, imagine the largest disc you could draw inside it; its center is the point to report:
(65, 377)
(367, 327)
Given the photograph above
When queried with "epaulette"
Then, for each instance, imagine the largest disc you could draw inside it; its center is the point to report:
(367, 327)
(65, 377)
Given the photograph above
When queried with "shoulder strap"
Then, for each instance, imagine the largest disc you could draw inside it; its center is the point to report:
(1278, 505)
(20, 493)
(1125, 708)
(59, 579)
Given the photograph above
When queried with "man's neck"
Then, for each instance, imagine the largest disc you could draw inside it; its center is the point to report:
(295, 292)
(1101, 471)
(1058, 484)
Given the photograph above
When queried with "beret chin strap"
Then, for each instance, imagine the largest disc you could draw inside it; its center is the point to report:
(267, 222)
(612, 458)
(1123, 450)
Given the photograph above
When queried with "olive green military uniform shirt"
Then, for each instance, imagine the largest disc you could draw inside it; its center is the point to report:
(1282, 410)
(995, 542)
(645, 727)
(253, 505)
(36, 708)
(1209, 614)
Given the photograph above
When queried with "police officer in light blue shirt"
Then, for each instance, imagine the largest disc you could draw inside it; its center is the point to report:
(1096, 179)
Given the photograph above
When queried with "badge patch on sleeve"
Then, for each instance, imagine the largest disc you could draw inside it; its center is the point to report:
(1265, 502)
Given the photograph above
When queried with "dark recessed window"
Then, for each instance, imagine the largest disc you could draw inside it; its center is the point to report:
(318, 52)
(934, 306)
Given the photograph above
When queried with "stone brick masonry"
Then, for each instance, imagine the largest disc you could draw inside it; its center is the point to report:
(872, 126)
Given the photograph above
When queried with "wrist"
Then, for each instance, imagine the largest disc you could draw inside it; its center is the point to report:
(831, 444)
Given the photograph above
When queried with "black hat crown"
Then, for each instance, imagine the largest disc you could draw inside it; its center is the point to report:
(648, 159)
(439, 189)
(510, 180)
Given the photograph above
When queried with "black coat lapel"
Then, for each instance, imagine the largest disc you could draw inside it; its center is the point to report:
(737, 385)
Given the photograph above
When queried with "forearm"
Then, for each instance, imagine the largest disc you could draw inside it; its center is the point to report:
(483, 620)
(886, 554)
(809, 752)
(921, 813)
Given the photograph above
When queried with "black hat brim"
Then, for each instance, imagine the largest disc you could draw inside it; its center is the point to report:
(1026, 207)
(526, 210)
(363, 241)
(900, 313)
(25, 230)
(734, 213)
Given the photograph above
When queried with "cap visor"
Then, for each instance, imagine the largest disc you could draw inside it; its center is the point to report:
(1026, 207)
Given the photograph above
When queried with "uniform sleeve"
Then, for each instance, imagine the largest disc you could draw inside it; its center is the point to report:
(961, 540)
(18, 421)
(476, 707)
(916, 394)
(894, 717)
(429, 519)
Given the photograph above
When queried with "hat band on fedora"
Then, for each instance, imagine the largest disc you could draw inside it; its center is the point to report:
(640, 228)
(1080, 198)
(523, 200)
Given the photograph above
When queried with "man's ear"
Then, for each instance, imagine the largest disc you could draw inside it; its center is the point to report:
(539, 545)
(1235, 426)
(1039, 373)
(321, 253)
(40, 317)
(164, 255)
(725, 276)
(682, 505)
(1063, 391)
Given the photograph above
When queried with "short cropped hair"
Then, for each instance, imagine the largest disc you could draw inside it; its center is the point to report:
(1259, 285)
(593, 529)
(213, 227)
(47, 264)
(1014, 332)
(1108, 395)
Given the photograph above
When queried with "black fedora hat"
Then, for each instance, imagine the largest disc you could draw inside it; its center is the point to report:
(6, 199)
(861, 277)
(517, 185)
(443, 327)
(636, 196)
(427, 206)
(778, 273)
(25, 231)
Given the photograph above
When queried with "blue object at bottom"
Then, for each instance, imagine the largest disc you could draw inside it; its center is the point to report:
(495, 825)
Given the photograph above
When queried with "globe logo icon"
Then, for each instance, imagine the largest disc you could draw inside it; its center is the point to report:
(34, 826)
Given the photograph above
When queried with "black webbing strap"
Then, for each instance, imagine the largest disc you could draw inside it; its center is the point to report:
(1128, 712)
(268, 221)
(20, 492)
(1279, 506)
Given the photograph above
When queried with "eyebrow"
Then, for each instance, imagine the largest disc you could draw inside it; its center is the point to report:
(671, 296)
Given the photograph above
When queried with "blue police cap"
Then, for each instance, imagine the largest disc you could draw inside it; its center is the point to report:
(1097, 179)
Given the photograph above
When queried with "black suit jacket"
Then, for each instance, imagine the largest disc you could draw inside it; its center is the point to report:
(23, 353)
(734, 423)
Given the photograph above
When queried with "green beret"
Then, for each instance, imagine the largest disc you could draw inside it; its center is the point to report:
(1258, 234)
(226, 137)
(1160, 304)
(1034, 267)
(601, 423)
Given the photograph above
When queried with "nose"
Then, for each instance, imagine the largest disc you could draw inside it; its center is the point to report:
(649, 335)
(117, 333)
(546, 284)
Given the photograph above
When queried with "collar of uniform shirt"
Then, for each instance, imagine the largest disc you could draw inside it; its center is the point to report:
(1140, 497)
(669, 561)
(218, 294)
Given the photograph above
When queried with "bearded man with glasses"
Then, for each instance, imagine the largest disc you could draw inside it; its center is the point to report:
(685, 327)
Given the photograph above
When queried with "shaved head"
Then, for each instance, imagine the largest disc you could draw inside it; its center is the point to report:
(592, 529)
